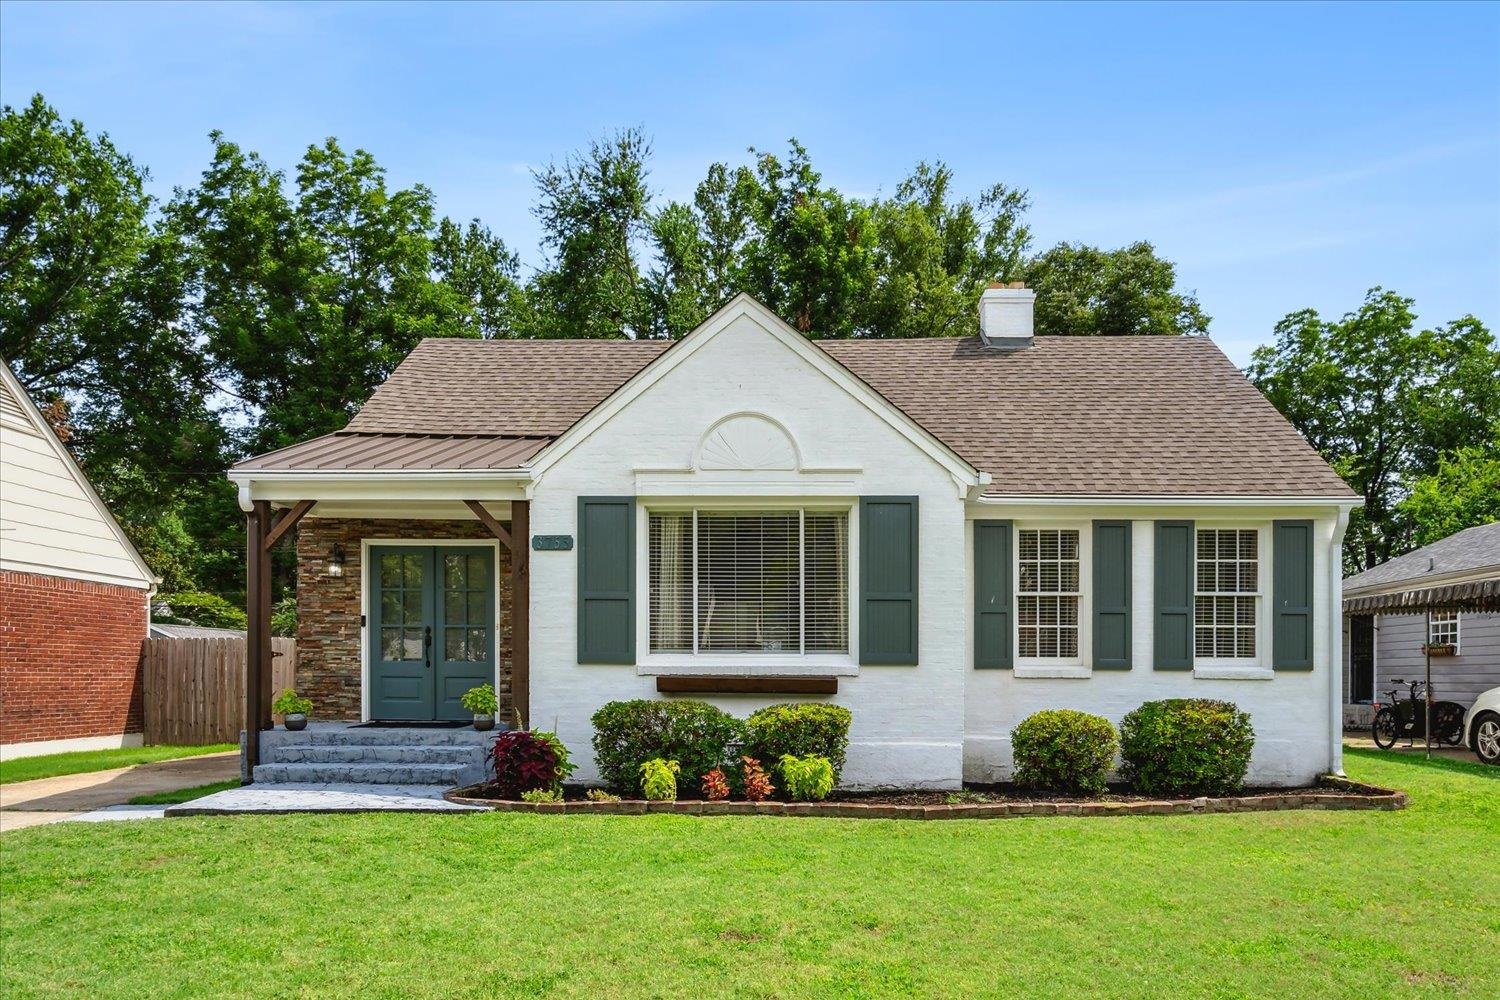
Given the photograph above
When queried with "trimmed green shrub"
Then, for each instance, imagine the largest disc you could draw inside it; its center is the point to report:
(1186, 746)
(659, 779)
(1064, 751)
(697, 735)
(191, 607)
(814, 728)
(807, 779)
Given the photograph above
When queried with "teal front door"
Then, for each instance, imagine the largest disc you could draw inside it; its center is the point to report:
(432, 629)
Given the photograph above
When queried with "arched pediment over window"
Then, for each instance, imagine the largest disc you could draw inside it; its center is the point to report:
(748, 442)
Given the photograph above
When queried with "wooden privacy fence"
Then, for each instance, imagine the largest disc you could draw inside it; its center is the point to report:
(193, 690)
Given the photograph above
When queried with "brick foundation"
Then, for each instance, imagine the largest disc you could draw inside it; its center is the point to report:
(70, 658)
(328, 607)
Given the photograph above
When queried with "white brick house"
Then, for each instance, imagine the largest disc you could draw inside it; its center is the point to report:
(942, 535)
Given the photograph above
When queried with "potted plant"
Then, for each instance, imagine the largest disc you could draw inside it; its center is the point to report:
(293, 710)
(1440, 649)
(482, 702)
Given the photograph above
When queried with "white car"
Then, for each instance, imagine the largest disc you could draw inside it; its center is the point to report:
(1482, 727)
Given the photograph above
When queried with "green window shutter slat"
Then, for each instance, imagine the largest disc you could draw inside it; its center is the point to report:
(606, 579)
(1292, 595)
(1173, 636)
(994, 588)
(888, 580)
(1111, 595)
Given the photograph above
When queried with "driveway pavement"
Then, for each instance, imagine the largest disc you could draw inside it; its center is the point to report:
(47, 800)
(1438, 750)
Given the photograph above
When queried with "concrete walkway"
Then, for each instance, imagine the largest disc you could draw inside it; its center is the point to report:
(48, 800)
(290, 797)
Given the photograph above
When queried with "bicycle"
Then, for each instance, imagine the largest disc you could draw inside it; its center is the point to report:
(1396, 718)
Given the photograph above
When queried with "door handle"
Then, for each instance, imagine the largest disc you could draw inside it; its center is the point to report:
(427, 647)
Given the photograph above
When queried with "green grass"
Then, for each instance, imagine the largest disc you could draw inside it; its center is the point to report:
(54, 764)
(183, 794)
(1287, 904)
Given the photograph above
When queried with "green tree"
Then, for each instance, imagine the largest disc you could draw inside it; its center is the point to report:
(308, 300)
(1463, 492)
(594, 210)
(476, 265)
(1380, 400)
(1086, 291)
(935, 254)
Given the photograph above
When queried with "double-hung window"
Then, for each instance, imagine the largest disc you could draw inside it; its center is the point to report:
(1226, 607)
(770, 581)
(1049, 574)
(1443, 630)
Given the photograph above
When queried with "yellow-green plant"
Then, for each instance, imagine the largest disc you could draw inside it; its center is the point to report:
(600, 795)
(542, 795)
(659, 779)
(806, 779)
(287, 703)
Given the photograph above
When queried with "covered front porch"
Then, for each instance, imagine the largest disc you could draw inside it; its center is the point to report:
(404, 604)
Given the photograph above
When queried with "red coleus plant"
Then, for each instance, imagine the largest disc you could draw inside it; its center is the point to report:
(522, 761)
(757, 783)
(715, 786)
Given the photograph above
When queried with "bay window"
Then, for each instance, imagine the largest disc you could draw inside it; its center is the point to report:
(769, 581)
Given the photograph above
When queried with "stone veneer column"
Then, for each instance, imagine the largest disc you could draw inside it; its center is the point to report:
(328, 607)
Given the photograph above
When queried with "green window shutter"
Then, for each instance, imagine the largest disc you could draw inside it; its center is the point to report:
(1111, 595)
(1292, 595)
(888, 580)
(994, 590)
(1174, 595)
(606, 579)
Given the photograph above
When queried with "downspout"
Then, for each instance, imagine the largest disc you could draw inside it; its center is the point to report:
(1336, 645)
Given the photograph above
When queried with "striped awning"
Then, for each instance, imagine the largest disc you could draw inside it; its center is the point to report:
(1472, 595)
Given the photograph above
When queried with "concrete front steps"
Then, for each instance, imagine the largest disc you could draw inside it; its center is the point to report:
(338, 755)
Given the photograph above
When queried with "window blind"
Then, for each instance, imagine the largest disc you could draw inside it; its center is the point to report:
(748, 582)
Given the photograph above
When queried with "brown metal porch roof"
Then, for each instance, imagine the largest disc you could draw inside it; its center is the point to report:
(350, 452)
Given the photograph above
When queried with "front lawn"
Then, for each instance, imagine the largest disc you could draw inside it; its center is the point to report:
(1289, 904)
(79, 762)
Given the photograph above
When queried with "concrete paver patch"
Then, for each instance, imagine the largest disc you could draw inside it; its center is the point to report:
(320, 798)
(112, 813)
(97, 789)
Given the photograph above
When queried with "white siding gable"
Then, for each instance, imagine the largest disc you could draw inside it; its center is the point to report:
(743, 421)
(51, 520)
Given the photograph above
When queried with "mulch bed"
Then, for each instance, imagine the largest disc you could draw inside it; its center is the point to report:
(978, 802)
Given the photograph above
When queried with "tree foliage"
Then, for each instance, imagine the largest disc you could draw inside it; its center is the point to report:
(1381, 401)
(1083, 290)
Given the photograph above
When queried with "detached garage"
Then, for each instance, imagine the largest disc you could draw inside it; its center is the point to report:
(74, 598)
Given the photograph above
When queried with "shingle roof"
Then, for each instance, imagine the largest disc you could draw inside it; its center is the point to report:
(1069, 415)
(1097, 415)
(1473, 549)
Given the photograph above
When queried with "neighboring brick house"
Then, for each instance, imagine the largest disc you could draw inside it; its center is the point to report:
(74, 598)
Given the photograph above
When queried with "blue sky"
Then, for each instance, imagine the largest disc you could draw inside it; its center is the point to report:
(1284, 156)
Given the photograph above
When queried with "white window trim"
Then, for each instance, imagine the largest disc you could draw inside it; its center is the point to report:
(1457, 619)
(1079, 666)
(723, 664)
(1240, 668)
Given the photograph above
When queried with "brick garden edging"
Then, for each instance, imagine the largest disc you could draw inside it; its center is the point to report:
(1353, 796)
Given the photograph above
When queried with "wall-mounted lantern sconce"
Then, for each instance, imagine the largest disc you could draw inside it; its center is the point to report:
(336, 561)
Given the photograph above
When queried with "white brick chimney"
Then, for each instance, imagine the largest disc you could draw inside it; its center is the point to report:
(1005, 315)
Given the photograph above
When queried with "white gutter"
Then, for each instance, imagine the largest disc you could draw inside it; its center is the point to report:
(1336, 645)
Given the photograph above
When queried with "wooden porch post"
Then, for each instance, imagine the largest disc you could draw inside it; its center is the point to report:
(518, 541)
(257, 629)
(520, 611)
